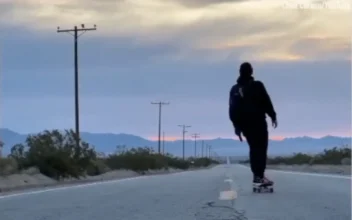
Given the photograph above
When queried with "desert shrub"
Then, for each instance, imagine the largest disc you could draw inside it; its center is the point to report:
(97, 167)
(143, 159)
(30, 171)
(332, 156)
(346, 161)
(244, 161)
(19, 155)
(298, 158)
(8, 166)
(137, 159)
(202, 162)
(55, 154)
(178, 163)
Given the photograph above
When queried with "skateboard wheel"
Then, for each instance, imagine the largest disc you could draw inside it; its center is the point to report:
(271, 190)
(254, 190)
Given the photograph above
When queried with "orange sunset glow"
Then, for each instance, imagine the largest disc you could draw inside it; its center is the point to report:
(167, 138)
(175, 138)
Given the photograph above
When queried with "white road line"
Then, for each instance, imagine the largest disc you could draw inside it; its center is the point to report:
(228, 195)
(58, 188)
(70, 187)
(228, 162)
(306, 173)
(231, 193)
(228, 180)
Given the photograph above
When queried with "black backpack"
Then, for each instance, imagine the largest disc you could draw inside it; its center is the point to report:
(236, 104)
(241, 106)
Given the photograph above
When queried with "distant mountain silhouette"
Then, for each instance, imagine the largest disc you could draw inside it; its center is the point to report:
(107, 142)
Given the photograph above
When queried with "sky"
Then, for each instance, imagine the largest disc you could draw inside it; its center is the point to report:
(185, 52)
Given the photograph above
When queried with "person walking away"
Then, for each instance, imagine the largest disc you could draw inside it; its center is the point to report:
(248, 105)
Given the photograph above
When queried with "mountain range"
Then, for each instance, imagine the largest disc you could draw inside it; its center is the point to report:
(107, 142)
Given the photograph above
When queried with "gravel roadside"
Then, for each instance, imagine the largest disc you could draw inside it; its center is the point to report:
(327, 169)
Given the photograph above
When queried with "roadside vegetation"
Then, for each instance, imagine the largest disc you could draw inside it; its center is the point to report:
(335, 156)
(56, 155)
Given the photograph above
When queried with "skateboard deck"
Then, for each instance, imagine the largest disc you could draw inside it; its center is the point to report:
(263, 188)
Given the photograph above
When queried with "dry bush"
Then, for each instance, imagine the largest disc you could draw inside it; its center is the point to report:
(8, 166)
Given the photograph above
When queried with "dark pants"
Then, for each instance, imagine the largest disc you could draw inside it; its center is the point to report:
(257, 138)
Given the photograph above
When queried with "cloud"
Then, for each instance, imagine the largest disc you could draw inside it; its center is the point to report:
(204, 3)
(185, 52)
(211, 30)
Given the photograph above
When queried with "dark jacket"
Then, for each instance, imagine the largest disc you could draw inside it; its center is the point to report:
(258, 102)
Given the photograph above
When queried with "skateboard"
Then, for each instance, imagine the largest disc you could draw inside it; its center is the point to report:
(263, 188)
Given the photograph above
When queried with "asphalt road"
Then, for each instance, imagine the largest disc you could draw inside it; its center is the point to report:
(190, 195)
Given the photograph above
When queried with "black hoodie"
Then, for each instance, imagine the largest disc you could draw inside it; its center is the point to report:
(258, 102)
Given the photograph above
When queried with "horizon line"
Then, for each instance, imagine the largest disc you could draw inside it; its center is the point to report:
(173, 138)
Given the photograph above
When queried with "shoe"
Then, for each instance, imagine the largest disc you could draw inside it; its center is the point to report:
(267, 181)
(258, 181)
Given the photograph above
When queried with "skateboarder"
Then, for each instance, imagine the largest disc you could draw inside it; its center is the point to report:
(249, 104)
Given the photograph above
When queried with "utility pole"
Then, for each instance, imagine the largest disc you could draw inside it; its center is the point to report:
(75, 31)
(206, 150)
(202, 148)
(163, 143)
(195, 136)
(209, 148)
(159, 131)
(1, 148)
(183, 138)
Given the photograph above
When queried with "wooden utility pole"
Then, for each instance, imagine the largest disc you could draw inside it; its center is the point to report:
(195, 136)
(159, 130)
(183, 138)
(75, 31)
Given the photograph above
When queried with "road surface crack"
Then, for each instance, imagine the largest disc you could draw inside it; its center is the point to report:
(220, 212)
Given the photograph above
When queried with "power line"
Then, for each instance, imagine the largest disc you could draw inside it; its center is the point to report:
(183, 138)
(75, 31)
(195, 136)
(159, 131)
